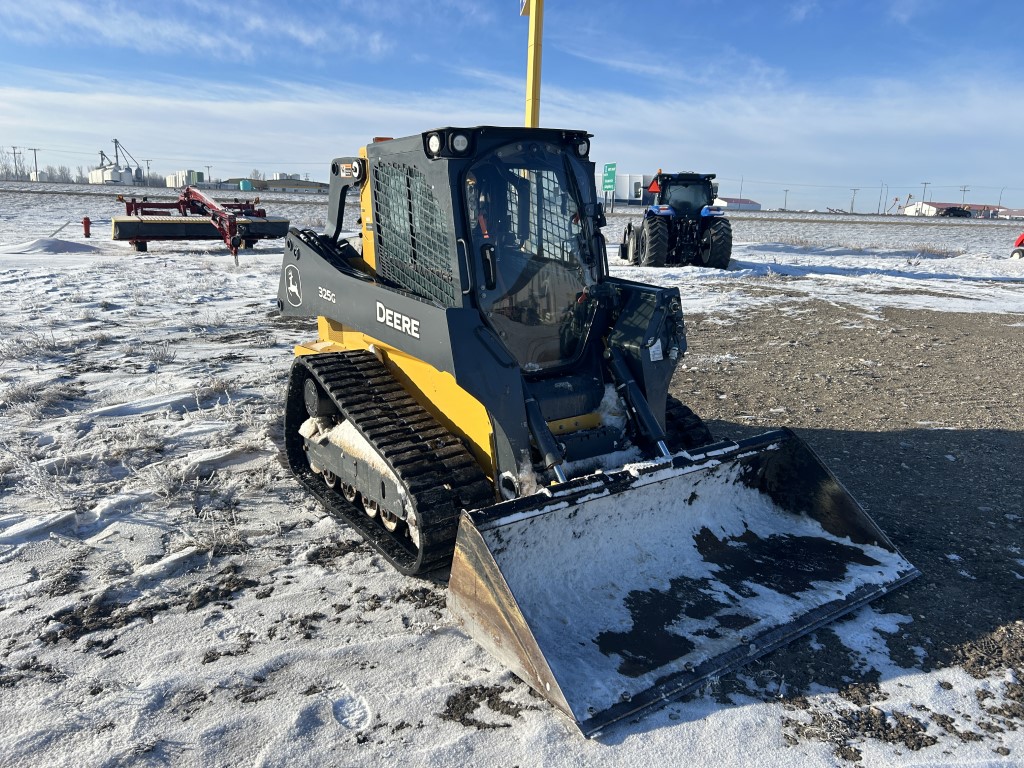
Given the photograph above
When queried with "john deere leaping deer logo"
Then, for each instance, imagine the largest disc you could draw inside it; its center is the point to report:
(294, 286)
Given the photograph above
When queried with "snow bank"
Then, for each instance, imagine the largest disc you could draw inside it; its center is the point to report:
(48, 245)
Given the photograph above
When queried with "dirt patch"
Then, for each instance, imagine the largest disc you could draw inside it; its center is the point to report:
(996, 651)
(105, 613)
(461, 707)
(31, 668)
(324, 555)
(228, 583)
(68, 580)
(841, 727)
(921, 416)
(422, 597)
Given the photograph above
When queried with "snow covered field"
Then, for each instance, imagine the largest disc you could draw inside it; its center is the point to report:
(169, 596)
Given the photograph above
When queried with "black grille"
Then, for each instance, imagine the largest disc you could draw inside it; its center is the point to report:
(413, 239)
(545, 210)
(555, 226)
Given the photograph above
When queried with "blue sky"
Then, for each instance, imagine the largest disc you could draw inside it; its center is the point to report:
(812, 96)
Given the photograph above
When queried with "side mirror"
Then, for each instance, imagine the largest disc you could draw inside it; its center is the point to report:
(490, 266)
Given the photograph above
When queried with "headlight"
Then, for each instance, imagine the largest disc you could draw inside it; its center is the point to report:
(434, 143)
(460, 143)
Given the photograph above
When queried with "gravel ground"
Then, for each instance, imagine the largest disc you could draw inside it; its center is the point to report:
(921, 415)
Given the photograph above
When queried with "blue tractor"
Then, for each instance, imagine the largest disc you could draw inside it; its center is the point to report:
(681, 227)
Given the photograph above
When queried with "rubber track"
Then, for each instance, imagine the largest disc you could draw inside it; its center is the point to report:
(439, 475)
(683, 428)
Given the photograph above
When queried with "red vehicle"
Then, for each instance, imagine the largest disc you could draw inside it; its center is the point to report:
(1018, 247)
(239, 224)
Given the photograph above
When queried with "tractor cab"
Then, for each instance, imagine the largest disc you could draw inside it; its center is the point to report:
(685, 193)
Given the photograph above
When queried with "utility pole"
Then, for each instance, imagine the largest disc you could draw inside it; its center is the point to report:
(147, 162)
(880, 185)
(785, 200)
(853, 198)
(963, 193)
(208, 177)
(741, 187)
(924, 191)
(35, 159)
(14, 151)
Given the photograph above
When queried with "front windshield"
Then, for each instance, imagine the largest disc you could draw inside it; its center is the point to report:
(683, 197)
(524, 202)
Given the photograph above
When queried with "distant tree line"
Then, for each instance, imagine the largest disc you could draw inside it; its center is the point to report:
(15, 167)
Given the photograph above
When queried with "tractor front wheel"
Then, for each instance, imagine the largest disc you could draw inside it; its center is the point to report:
(627, 247)
(633, 247)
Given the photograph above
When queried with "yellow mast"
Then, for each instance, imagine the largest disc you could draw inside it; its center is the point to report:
(535, 10)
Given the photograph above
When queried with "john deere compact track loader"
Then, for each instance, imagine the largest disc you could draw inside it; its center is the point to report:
(483, 394)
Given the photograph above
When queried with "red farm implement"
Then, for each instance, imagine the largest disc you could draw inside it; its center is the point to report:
(195, 216)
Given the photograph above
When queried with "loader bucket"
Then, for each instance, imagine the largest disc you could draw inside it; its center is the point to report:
(615, 592)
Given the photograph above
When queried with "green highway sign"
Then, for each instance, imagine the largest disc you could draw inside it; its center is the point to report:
(608, 180)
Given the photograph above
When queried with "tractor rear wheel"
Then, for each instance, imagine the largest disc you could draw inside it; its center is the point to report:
(716, 245)
(653, 245)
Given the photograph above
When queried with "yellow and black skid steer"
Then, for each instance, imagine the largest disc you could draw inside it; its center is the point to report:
(484, 395)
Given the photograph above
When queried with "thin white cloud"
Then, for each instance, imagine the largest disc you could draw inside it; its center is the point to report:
(897, 131)
(454, 12)
(730, 64)
(905, 11)
(234, 126)
(115, 25)
(226, 32)
(799, 11)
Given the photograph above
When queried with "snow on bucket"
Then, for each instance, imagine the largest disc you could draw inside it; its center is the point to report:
(618, 591)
